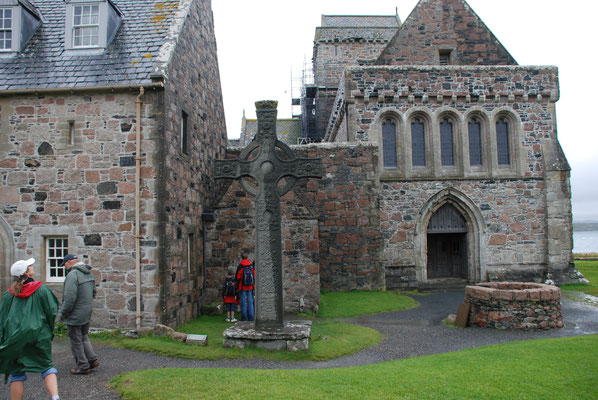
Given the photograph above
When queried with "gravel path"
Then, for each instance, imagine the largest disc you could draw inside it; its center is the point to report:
(410, 333)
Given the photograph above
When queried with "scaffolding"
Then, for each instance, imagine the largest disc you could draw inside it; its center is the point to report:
(298, 84)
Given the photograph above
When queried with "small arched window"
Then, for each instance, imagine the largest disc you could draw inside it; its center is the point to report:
(475, 142)
(418, 143)
(389, 143)
(446, 143)
(502, 142)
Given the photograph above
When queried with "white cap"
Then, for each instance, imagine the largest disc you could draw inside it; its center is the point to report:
(18, 269)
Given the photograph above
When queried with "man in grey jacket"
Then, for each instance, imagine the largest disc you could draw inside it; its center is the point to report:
(77, 304)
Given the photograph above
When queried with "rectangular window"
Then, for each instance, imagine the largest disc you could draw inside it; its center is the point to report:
(5, 29)
(475, 142)
(445, 57)
(502, 142)
(86, 26)
(389, 144)
(184, 134)
(56, 248)
(418, 143)
(446, 143)
(71, 137)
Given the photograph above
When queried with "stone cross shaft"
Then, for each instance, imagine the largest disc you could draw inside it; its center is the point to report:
(273, 165)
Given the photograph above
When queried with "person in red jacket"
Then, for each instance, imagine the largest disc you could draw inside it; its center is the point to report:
(245, 286)
(229, 294)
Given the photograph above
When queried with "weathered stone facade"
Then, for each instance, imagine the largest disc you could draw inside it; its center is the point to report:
(380, 223)
(330, 228)
(68, 168)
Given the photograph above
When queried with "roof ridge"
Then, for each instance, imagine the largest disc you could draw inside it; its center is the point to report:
(169, 45)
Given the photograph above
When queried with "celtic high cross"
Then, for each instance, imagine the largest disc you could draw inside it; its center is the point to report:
(267, 160)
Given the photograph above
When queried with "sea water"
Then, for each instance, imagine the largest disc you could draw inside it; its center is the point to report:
(585, 241)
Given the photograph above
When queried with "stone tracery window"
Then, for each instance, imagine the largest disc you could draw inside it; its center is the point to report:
(446, 143)
(502, 141)
(418, 143)
(389, 143)
(475, 142)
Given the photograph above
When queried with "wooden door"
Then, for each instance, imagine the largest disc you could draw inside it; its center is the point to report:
(446, 256)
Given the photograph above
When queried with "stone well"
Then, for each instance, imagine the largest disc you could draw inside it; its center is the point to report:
(514, 305)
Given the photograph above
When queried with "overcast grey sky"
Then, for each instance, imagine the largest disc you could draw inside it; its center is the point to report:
(261, 41)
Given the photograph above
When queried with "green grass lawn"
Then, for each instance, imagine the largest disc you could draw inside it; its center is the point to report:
(361, 302)
(564, 368)
(329, 339)
(589, 269)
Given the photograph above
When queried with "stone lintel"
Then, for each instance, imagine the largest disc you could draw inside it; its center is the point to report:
(292, 336)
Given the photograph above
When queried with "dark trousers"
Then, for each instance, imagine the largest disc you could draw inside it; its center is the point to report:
(80, 346)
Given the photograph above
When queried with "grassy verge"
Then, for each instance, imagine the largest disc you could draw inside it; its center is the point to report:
(352, 304)
(589, 269)
(564, 368)
(329, 339)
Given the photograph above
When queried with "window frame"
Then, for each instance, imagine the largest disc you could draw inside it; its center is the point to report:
(97, 25)
(5, 30)
(504, 144)
(423, 122)
(444, 146)
(51, 262)
(480, 148)
(390, 144)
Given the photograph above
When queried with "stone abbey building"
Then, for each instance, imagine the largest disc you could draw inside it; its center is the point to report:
(442, 162)
(441, 157)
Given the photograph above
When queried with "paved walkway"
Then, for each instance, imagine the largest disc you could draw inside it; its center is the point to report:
(410, 333)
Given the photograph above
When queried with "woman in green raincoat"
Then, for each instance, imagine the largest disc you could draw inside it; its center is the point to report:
(27, 314)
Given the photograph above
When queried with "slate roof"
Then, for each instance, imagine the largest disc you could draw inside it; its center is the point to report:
(129, 59)
(357, 21)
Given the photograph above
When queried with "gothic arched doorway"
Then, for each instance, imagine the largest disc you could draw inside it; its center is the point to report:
(447, 244)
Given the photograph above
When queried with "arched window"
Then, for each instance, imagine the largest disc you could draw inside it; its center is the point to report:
(502, 142)
(418, 143)
(475, 142)
(446, 143)
(389, 143)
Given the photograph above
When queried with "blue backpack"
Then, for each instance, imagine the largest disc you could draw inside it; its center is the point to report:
(247, 276)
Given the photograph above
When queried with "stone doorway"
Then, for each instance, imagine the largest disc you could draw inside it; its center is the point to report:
(447, 244)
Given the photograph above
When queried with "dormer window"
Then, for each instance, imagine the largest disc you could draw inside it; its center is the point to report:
(5, 29)
(19, 20)
(90, 25)
(86, 25)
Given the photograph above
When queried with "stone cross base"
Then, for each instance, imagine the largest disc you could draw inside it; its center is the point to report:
(293, 336)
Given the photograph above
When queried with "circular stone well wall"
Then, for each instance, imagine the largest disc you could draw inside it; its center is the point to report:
(514, 305)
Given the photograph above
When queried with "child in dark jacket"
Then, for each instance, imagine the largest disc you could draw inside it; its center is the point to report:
(229, 295)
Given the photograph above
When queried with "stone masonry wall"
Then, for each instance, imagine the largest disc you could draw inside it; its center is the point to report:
(185, 187)
(337, 48)
(512, 201)
(512, 305)
(330, 226)
(346, 200)
(436, 25)
(233, 232)
(514, 219)
(84, 191)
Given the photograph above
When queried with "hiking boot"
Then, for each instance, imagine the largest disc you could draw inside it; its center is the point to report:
(94, 364)
(80, 371)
